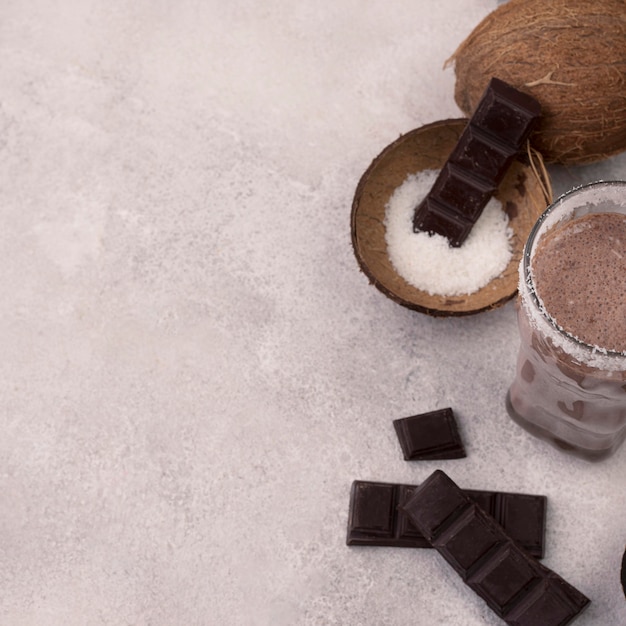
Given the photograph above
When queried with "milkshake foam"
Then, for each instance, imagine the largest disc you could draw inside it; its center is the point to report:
(579, 273)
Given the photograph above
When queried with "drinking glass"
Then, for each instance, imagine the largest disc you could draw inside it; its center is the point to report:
(566, 391)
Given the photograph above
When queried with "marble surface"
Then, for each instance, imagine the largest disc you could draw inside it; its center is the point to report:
(193, 368)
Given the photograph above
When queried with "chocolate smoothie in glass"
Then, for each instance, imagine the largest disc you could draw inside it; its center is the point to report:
(570, 384)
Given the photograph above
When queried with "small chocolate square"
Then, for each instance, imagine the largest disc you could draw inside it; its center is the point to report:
(373, 508)
(508, 113)
(465, 195)
(467, 541)
(524, 517)
(434, 217)
(429, 436)
(435, 506)
(503, 577)
(549, 603)
(479, 153)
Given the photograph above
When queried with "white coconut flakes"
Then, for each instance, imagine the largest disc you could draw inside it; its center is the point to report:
(428, 262)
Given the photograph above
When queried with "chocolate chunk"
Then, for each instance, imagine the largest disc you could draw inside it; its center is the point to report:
(428, 436)
(376, 517)
(624, 572)
(455, 188)
(435, 217)
(495, 134)
(483, 157)
(523, 518)
(506, 112)
(518, 588)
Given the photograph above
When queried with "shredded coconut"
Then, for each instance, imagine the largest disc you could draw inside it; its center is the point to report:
(427, 261)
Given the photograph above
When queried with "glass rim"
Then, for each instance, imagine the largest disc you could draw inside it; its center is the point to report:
(528, 279)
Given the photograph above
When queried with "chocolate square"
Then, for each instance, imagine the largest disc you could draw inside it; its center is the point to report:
(524, 517)
(427, 436)
(434, 217)
(548, 603)
(504, 576)
(464, 194)
(467, 541)
(507, 113)
(481, 154)
(434, 506)
(373, 508)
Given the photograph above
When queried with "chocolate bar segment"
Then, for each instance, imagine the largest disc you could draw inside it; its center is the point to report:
(374, 508)
(427, 436)
(483, 157)
(549, 603)
(455, 188)
(518, 588)
(437, 217)
(506, 113)
(495, 134)
(376, 516)
(521, 516)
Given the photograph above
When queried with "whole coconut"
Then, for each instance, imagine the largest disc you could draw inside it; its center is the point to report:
(571, 56)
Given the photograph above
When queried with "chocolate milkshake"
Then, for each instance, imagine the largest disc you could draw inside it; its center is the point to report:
(570, 386)
(579, 272)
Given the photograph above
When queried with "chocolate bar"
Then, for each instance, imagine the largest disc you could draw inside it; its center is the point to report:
(376, 517)
(428, 436)
(494, 135)
(518, 588)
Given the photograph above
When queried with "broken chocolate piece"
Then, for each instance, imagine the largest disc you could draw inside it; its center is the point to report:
(518, 588)
(376, 517)
(427, 436)
(495, 134)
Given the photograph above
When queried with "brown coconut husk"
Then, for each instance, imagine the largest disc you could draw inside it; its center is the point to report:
(571, 56)
(524, 194)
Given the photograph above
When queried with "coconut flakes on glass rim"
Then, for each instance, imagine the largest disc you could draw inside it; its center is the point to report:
(427, 261)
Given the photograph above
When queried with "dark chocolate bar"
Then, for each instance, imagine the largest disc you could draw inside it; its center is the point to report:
(428, 436)
(494, 135)
(518, 588)
(376, 517)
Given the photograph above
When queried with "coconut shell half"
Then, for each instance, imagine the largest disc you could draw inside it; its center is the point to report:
(521, 194)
